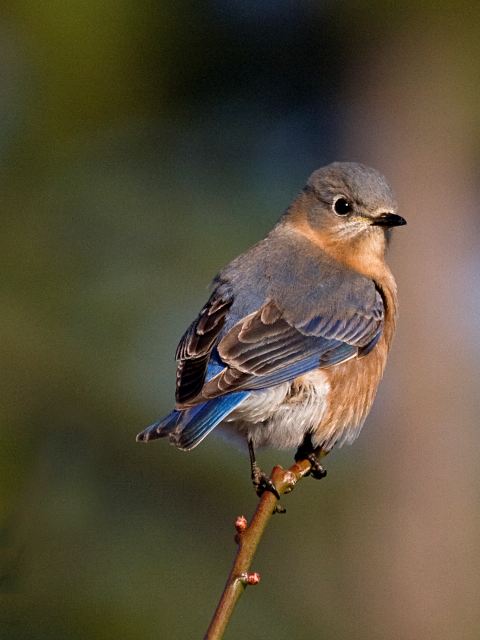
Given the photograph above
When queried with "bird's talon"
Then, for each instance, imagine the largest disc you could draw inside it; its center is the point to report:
(306, 451)
(263, 483)
(317, 471)
(260, 480)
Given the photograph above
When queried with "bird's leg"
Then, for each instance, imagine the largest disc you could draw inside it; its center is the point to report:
(306, 451)
(260, 480)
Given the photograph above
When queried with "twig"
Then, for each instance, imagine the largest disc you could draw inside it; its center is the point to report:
(248, 538)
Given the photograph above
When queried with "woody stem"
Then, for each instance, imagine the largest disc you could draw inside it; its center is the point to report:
(248, 540)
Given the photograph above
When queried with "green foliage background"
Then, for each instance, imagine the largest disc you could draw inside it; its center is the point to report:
(142, 146)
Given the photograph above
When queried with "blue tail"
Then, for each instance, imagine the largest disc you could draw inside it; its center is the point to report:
(189, 427)
(161, 428)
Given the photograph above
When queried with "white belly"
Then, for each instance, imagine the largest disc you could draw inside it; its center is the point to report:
(279, 417)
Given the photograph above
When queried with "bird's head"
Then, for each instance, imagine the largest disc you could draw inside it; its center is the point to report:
(348, 209)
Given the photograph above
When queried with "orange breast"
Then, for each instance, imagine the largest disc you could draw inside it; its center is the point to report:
(353, 385)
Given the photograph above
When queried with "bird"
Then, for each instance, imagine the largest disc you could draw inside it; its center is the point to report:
(292, 343)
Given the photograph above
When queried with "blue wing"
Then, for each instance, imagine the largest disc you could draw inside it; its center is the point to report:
(189, 427)
(264, 349)
(286, 308)
(268, 321)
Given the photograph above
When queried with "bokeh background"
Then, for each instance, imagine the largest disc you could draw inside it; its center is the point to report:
(142, 146)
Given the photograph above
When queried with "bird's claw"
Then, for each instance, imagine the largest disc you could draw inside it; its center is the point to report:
(306, 451)
(262, 482)
(316, 471)
(265, 484)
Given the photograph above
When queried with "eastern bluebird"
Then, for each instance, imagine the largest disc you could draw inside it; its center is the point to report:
(292, 343)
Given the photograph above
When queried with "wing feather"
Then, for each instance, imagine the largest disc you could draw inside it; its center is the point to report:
(254, 350)
(195, 347)
(269, 321)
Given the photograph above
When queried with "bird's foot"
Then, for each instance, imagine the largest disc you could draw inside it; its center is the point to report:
(306, 451)
(261, 482)
(317, 471)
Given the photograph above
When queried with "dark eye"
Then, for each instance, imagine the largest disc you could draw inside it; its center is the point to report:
(342, 206)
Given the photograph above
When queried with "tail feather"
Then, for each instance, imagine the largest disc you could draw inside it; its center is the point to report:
(161, 428)
(200, 420)
(189, 427)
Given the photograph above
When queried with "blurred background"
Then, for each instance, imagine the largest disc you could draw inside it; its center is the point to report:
(142, 146)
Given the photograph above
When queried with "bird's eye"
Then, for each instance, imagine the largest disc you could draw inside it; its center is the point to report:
(342, 206)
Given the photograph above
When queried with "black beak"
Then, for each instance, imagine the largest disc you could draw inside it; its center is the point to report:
(389, 220)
